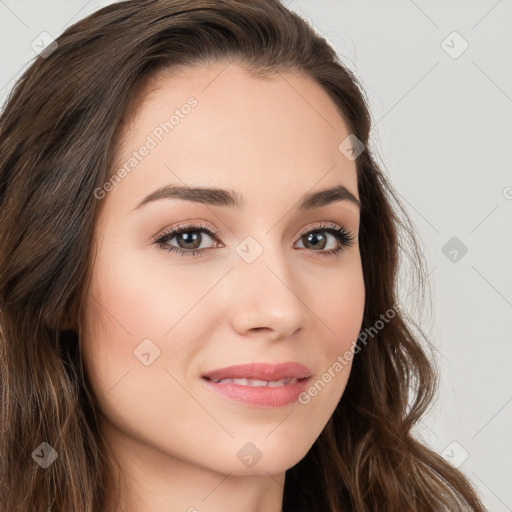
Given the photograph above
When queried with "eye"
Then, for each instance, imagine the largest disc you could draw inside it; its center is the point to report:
(190, 240)
(317, 239)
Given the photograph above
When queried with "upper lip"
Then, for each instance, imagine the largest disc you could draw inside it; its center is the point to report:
(261, 371)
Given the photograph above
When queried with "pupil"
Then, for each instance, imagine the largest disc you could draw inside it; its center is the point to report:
(316, 235)
(188, 239)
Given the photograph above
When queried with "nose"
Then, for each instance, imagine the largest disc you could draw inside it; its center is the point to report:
(268, 297)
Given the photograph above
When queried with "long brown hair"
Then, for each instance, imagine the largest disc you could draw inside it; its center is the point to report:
(59, 131)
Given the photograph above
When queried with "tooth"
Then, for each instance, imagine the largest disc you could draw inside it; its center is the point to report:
(250, 382)
(258, 383)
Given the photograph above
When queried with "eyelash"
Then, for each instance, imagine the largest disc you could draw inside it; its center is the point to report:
(344, 238)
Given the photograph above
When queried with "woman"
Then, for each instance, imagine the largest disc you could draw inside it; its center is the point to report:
(176, 332)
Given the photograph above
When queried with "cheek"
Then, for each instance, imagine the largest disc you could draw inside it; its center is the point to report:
(340, 308)
(133, 299)
(121, 312)
(141, 298)
(129, 310)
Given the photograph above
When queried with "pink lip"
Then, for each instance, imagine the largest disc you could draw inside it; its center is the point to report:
(261, 371)
(263, 396)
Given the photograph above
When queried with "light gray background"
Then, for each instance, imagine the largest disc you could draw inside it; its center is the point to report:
(443, 133)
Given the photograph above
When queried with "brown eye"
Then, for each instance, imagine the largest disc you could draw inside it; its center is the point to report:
(188, 240)
(316, 240)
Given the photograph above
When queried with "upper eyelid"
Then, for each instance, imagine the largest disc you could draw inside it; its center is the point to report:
(183, 228)
(214, 233)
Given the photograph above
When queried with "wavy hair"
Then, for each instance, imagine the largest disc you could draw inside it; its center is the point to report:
(59, 130)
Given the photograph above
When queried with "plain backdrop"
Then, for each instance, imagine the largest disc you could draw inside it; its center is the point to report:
(438, 77)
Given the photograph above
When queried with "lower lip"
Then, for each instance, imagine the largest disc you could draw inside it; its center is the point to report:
(262, 396)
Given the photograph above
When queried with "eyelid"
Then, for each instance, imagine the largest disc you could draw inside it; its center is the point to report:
(192, 225)
(319, 227)
(344, 237)
(215, 232)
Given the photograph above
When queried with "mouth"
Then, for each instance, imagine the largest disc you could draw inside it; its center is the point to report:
(263, 372)
(260, 384)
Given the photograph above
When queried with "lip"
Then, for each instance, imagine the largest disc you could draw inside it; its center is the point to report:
(261, 371)
(260, 396)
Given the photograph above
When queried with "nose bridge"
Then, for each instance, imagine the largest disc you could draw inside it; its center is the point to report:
(268, 294)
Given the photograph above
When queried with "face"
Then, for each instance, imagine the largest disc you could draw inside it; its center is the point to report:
(265, 281)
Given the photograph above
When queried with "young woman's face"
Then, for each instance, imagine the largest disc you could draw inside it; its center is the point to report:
(259, 282)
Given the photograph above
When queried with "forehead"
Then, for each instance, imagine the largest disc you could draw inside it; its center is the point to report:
(255, 135)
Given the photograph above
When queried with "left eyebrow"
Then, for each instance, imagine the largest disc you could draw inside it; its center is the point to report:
(231, 199)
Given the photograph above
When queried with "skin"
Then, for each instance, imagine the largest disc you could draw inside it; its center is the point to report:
(271, 141)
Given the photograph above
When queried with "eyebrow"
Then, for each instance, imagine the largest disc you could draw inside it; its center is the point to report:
(231, 199)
